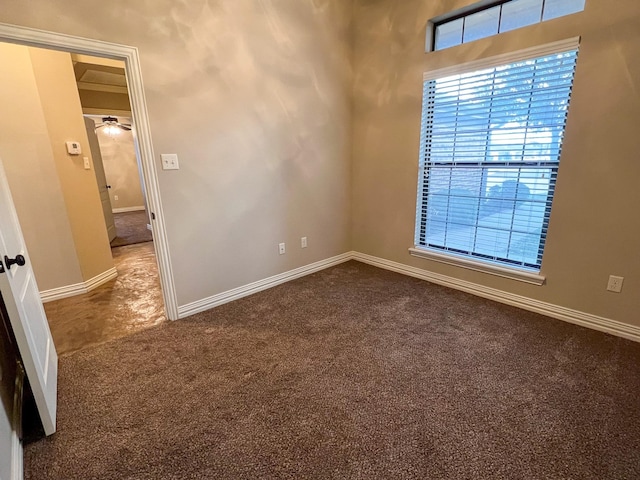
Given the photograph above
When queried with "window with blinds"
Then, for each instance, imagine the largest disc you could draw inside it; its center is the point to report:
(490, 148)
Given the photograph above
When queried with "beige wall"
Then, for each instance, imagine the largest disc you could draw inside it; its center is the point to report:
(25, 150)
(120, 166)
(63, 115)
(595, 225)
(254, 98)
(56, 199)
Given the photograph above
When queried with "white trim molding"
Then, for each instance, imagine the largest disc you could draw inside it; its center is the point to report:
(101, 279)
(128, 209)
(78, 288)
(142, 130)
(588, 320)
(255, 287)
(497, 60)
(512, 273)
(607, 325)
(63, 292)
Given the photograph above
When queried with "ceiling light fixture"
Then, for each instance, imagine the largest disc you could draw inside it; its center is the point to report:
(112, 126)
(111, 130)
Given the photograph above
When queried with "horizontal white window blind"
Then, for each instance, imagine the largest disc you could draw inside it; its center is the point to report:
(490, 148)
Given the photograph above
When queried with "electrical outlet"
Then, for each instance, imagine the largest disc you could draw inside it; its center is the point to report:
(170, 161)
(303, 242)
(281, 248)
(115, 197)
(615, 284)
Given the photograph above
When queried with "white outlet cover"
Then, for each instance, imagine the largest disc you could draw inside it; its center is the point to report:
(170, 161)
(615, 284)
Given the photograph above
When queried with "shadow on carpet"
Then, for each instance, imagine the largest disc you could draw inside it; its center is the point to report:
(352, 372)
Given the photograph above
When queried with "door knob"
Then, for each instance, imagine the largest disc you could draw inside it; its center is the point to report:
(19, 260)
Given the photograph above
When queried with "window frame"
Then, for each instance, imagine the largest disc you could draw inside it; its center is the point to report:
(511, 272)
(465, 12)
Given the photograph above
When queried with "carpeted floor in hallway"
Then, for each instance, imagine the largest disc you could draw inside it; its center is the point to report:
(131, 228)
(349, 373)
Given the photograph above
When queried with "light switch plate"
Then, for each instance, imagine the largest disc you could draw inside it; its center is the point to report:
(169, 161)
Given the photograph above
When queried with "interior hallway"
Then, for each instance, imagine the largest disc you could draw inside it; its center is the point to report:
(131, 227)
(128, 304)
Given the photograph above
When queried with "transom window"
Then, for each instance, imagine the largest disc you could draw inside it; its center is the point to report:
(491, 140)
(498, 17)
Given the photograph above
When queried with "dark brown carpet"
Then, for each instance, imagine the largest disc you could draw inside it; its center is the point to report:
(131, 227)
(350, 373)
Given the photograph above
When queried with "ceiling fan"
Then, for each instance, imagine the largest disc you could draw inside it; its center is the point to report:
(111, 123)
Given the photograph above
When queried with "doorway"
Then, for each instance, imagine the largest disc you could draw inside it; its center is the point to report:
(104, 98)
(143, 147)
(69, 251)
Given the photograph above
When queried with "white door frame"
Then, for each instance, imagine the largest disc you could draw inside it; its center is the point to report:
(142, 133)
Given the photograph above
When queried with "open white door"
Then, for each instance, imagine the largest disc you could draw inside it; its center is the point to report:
(26, 313)
(101, 177)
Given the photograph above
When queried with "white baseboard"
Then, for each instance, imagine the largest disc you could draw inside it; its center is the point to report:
(128, 209)
(588, 320)
(17, 457)
(577, 317)
(255, 287)
(101, 279)
(78, 288)
(62, 292)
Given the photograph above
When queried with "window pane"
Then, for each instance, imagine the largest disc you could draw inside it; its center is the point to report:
(507, 16)
(559, 8)
(482, 24)
(491, 148)
(448, 34)
(520, 13)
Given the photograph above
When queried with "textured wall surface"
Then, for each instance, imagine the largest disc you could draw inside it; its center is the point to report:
(27, 156)
(254, 97)
(53, 72)
(595, 226)
(120, 166)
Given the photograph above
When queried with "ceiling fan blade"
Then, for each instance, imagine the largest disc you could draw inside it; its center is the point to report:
(113, 122)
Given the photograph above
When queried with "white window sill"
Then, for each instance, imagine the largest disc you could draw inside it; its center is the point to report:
(506, 272)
